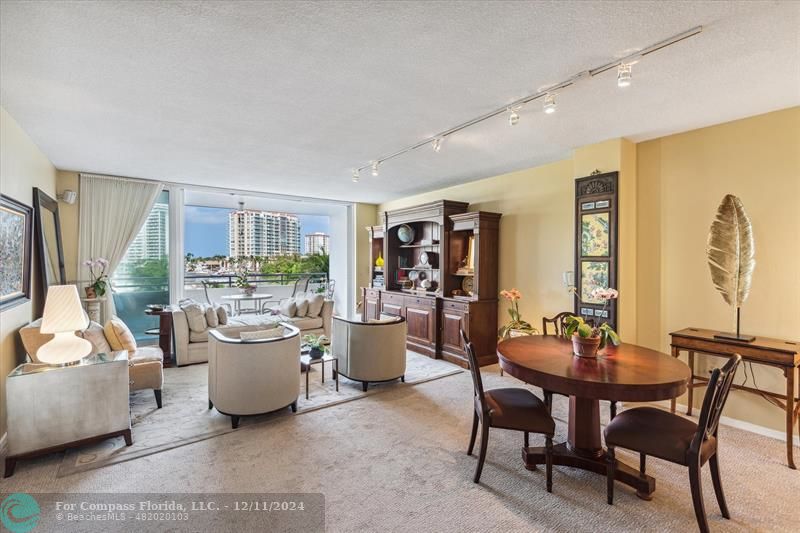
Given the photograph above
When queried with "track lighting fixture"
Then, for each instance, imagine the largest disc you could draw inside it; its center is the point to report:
(548, 94)
(549, 103)
(513, 117)
(624, 75)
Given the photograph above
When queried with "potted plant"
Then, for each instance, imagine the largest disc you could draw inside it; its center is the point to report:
(243, 283)
(517, 326)
(586, 339)
(97, 270)
(317, 345)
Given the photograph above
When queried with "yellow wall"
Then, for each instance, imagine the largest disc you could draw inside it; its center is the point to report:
(69, 222)
(363, 215)
(682, 179)
(22, 167)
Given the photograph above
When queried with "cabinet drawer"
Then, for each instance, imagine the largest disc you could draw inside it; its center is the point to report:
(392, 298)
(416, 301)
(462, 307)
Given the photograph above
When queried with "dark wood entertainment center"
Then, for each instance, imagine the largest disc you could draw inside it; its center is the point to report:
(449, 245)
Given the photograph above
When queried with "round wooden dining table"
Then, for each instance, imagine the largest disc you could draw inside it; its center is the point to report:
(626, 372)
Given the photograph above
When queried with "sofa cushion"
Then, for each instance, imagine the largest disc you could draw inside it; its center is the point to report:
(222, 315)
(119, 336)
(96, 335)
(302, 306)
(272, 333)
(212, 319)
(195, 316)
(288, 308)
(146, 354)
(198, 336)
(305, 323)
(315, 303)
(265, 321)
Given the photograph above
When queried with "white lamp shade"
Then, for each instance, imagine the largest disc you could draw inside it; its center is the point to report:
(63, 311)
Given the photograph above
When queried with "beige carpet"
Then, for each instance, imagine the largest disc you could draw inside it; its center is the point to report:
(185, 417)
(395, 462)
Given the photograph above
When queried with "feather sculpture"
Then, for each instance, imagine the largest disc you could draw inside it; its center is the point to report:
(731, 252)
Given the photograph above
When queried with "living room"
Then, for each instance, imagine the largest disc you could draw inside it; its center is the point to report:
(305, 252)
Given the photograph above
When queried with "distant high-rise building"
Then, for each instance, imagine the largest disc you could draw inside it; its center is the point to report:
(262, 233)
(317, 243)
(152, 240)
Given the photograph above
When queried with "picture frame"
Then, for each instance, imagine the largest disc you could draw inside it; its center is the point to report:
(16, 238)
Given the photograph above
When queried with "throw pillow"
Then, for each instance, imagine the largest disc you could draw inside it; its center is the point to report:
(288, 308)
(222, 315)
(119, 336)
(212, 319)
(315, 303)
(94, 334)
(302, 306)
(272, 333)
(196, 317)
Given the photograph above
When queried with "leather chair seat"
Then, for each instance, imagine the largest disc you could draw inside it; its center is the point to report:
(658, 433)
(519, 409)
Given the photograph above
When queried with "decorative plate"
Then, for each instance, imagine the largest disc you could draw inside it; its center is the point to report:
(405, 233)
(412, 275)
(423, 258)
(467, 284)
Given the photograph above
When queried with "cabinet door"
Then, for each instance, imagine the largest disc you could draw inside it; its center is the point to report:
(453, 321)
(372, 308)
(420, 325)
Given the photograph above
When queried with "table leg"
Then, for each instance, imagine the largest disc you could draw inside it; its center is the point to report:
(308, 371)
(790, 414)
(323, 371)
(584, 427)
(336, 377)
(675, 353)
(690, 399)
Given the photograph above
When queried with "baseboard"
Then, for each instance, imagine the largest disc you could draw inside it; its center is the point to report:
(741, 424)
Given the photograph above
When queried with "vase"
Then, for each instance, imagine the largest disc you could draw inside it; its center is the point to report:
(90, 292)
(585, 347)
(315, 353)
(249, 291)
(379, 260)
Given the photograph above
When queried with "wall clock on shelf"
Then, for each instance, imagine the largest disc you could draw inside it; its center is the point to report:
(467, 284)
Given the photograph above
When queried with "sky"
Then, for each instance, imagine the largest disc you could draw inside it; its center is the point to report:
(206, 232)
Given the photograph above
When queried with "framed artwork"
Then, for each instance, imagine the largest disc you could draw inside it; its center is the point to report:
(595, 235)
(596, 243)
(16, 220)
(594, 275)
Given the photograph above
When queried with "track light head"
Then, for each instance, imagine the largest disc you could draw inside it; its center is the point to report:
(356, 175)
(375, 168)
(624, 75)
(437, 144)
(513, 117)
(549, 103)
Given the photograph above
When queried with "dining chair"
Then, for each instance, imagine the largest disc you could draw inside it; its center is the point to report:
(508, 408)
(560, 329)
(651, 431)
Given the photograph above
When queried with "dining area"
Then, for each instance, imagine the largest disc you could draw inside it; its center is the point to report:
(614, 385)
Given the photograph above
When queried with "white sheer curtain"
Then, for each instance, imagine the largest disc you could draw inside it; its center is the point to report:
(112, 211)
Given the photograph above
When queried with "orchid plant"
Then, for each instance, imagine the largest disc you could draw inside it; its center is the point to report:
(516, 324)
(97, 270)
(577, 325)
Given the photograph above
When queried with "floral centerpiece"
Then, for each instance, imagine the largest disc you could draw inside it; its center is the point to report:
(97, 270)
(243, 282)
(517, 326)
(586, 339)
(316, 343)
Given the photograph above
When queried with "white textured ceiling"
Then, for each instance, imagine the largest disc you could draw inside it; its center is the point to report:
(289, 96)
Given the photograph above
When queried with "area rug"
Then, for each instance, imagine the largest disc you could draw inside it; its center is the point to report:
(185, 417)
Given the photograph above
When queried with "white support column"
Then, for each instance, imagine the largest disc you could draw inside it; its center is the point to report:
(176, 232)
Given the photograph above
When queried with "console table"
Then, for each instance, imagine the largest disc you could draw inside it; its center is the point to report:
(763, 351)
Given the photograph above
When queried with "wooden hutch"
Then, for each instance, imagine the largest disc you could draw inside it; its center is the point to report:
(440, 273)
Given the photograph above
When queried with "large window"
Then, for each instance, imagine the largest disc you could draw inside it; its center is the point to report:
(142, 277)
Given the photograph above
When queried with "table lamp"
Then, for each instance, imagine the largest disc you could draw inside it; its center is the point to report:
(63, 315)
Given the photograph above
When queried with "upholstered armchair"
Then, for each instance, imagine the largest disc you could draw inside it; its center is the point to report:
(370, 351)
(253, 376)
(145, 362)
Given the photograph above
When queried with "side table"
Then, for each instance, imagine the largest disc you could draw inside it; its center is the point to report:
(52, 408)
(164, 332)
(307, 361)
(93, 308)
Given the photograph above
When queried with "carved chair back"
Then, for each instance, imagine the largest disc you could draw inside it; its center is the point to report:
(719, 385)
(558, 324)
(475, 371)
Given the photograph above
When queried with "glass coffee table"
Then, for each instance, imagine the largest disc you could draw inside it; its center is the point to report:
(306, 361)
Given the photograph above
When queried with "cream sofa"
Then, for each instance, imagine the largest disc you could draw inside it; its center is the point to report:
(191, 345)
(370, 351)
(251, 377)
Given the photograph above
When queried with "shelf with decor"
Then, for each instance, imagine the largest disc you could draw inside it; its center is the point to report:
(377, 275)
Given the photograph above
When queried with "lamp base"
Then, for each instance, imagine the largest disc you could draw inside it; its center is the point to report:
(64, 349)
(734, 337)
